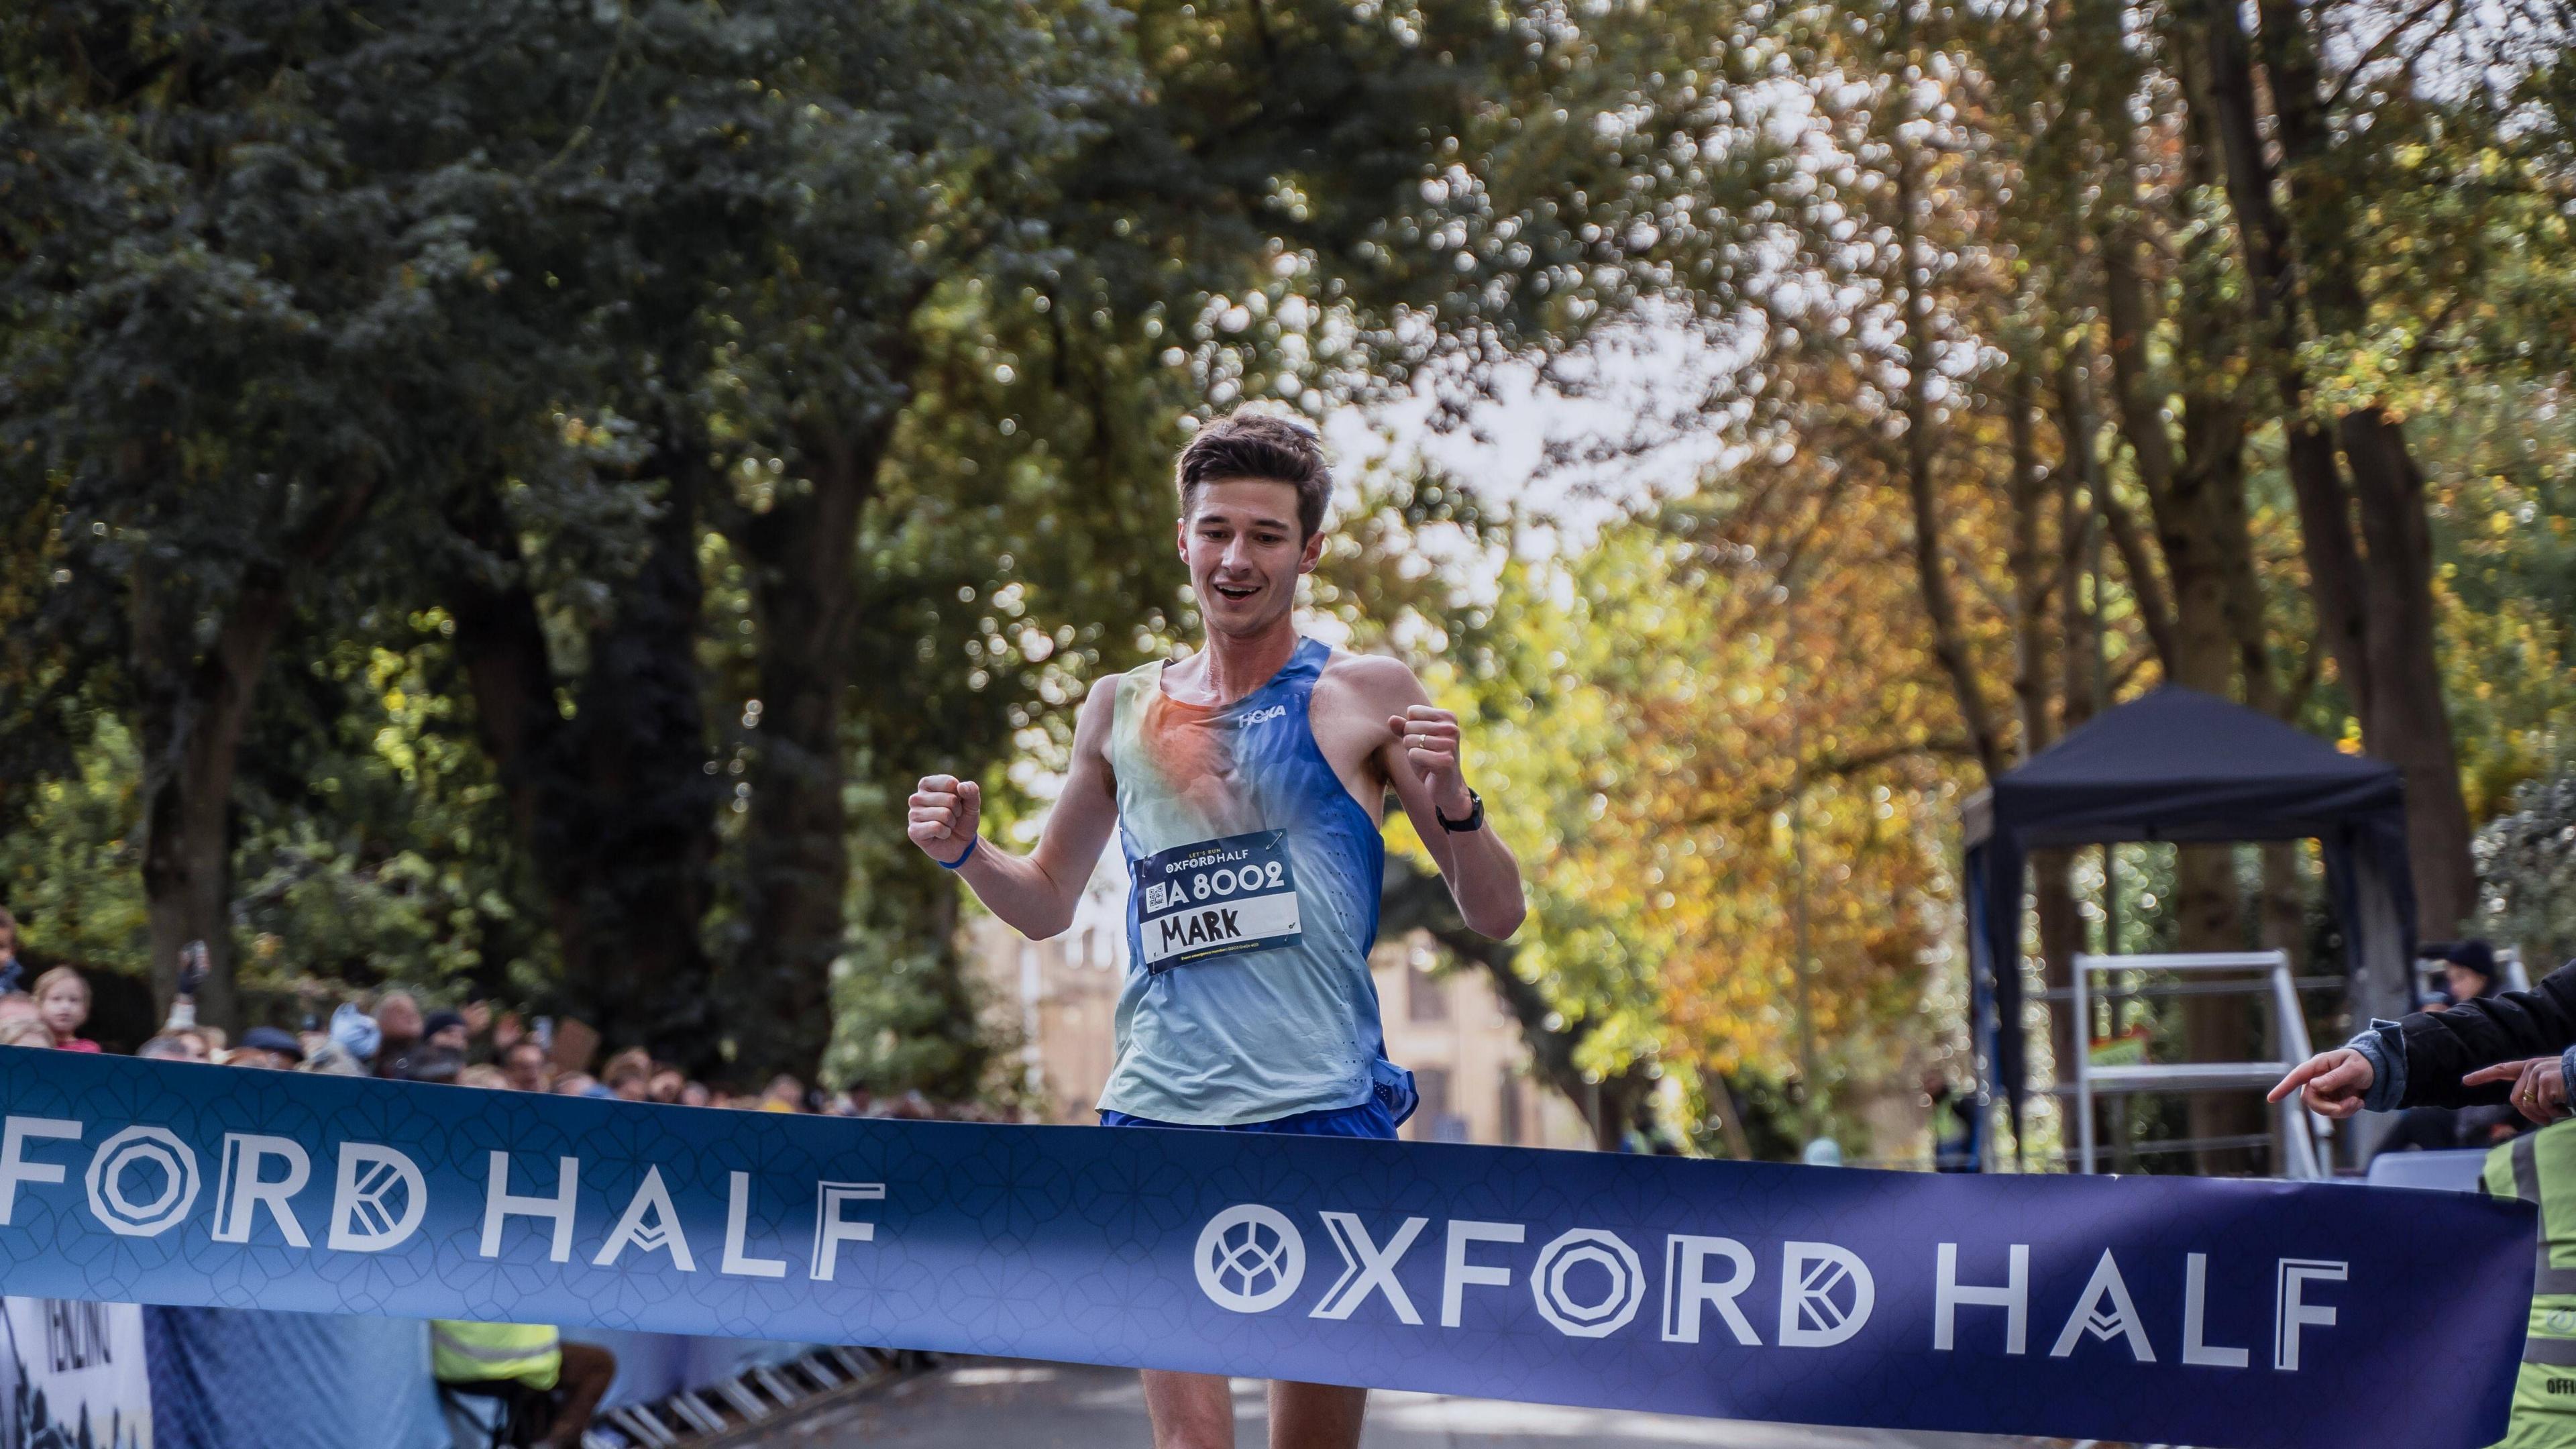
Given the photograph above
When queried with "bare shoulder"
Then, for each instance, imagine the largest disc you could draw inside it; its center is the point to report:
(1102, 697)
(1099, 709)
(1377, 683)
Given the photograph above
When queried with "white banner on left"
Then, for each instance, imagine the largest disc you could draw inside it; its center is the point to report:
(72, 1373)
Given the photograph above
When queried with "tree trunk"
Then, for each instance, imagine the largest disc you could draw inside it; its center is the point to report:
(2373, 593)
(193, 714)
(2037, 574)
(2197, 653)
(2335, 570)
(1730, 1121)
(796, 854)
(2405, 723)
(194, 707)
(646, 823)
(614, 805)
(501, 642)
(2189, 495)
(2062, 931)
(1413, 899)
(1931, 572)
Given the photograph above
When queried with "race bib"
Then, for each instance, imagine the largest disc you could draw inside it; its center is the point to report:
(1215, 898)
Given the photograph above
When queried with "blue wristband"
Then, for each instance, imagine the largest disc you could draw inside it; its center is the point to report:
(961, 860)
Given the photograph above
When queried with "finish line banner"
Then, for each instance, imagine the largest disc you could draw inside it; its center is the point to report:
(2205, 1312)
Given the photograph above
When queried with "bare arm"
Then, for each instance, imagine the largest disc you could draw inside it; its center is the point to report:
(1421, 761)
(1035, 893)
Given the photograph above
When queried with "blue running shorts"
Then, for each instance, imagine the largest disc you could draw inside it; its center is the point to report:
(1368, 1119)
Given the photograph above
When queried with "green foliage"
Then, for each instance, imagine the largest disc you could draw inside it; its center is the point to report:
(506, 495)
(68, 869)
(2527, 872)
(378, 848)
(740, 392)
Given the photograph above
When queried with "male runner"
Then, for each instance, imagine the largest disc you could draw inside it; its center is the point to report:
(1246, 782)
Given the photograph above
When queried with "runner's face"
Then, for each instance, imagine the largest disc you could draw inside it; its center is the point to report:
(1240, 542)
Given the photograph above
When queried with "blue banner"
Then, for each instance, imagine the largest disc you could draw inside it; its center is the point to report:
(2206, 1312)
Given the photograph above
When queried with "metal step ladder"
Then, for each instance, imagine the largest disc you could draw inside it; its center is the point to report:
(2293, 1135)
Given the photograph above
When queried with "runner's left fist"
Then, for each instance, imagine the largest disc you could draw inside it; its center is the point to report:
(2539, 1086)
(1430, 740)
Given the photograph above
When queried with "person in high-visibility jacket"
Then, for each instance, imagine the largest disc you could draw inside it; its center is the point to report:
(573, 1375)
(2540, 1167)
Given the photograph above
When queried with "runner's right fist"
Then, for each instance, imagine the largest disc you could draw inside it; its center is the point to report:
(946, 812)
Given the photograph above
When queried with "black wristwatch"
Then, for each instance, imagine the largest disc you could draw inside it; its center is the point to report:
(1475, 816)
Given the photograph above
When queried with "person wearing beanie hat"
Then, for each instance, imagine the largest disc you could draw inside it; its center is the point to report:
(267, 1046)
(446, 1028)
(2468, 969)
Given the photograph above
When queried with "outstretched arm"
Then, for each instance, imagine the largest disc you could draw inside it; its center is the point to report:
(2444, 1058)
(1035, 893)
(2440, 1048)
(1422, 761)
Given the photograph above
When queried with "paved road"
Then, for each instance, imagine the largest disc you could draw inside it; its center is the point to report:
(979, 1404)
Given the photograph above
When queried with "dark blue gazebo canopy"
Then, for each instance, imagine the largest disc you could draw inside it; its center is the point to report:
(2176, 765)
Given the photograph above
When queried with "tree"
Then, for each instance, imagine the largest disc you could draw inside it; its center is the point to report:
(224, 373)
(2527, 864)
(1282, 201)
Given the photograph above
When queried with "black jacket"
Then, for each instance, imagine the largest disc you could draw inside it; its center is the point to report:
(2510, 1026)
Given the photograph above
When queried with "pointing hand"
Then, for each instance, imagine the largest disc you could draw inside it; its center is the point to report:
(2330, 1084)
(2539, 1086)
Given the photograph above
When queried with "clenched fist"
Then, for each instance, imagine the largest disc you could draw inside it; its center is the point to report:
(1429, 737)
(946, 812)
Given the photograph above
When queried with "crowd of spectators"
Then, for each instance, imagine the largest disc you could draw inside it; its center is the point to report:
(543, 1389)
(392, 1036)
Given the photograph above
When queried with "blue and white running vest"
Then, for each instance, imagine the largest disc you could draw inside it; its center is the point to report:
(1254, 906)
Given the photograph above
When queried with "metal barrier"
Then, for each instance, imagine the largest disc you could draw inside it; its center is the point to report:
(724, 1411)
(2294, 1142)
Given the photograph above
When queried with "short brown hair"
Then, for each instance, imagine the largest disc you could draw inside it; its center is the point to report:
(1265, 447)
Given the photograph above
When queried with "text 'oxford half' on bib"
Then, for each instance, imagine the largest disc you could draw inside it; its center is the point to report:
(1216, 898)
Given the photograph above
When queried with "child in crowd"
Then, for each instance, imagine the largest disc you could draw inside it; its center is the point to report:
(62, 1001)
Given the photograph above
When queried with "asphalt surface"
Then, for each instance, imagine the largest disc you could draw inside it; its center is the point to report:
(982, 1403)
